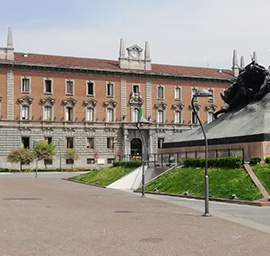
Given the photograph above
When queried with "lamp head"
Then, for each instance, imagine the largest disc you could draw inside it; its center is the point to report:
(202, 93)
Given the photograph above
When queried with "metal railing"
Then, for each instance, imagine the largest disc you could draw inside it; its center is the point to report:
(173, 158)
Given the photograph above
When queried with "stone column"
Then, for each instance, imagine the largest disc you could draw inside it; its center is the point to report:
(10, 94)
(123, 98)
(148, 99)
(126, 144)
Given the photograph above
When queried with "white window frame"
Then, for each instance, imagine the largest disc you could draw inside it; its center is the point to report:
(28, 112)
(45, 116)
(110, 118)
(73, 87)
(137, 85)
(163, 92)
(175, 95)
(135, 114)
(44, 85)
(87, 83)
(211, 99)
(22, 84)
(67, 114)
(90, 117)
(210, 116)
(112, 89)
(177, 119)
(160, 117)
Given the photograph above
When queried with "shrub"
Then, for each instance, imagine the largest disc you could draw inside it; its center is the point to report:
(255, 160)
(267, 160)
(128, 164)
(227, 162)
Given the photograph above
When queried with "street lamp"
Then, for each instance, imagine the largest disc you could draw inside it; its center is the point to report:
(35, 141)
(60, 155)
(141, 121)
(203, 93)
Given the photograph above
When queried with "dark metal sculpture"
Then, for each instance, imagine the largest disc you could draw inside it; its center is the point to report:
(252, 84)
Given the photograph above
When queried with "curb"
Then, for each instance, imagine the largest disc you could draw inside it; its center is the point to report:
(84, 183)
(241, 202)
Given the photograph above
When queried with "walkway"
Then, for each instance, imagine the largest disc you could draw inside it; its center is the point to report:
(50, 216)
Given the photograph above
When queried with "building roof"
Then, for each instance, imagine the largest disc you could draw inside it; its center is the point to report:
(113, 65)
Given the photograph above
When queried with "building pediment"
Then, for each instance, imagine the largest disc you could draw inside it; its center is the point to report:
(178, 106)
(25, 100)
(161, 105)
(90, 103)
(69, 102)
(110, 103)
(48, 101)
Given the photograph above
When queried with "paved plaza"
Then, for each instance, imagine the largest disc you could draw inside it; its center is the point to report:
(50, 216)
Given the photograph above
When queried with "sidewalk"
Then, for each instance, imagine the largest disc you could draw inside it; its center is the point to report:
(251, 216)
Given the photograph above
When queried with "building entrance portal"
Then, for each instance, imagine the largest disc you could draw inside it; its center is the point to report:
(136, 147)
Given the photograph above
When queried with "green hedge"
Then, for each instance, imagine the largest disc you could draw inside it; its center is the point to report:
(128, 164)
(255, 160)
(227, 162)
(267, 160)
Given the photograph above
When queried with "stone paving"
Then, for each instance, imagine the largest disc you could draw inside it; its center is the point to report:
(50, 216)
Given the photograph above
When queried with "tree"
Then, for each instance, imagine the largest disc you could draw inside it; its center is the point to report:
(45, 151)
(22, 156)
(71, 154)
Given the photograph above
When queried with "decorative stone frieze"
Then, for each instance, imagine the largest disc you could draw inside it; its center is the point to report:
(178, 106)
(90, 103)
(25, 100)
(69, 102)
(160, 106)
(110, 103)
(48, 101)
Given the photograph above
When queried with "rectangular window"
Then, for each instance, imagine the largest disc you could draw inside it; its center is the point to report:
(48, 140)
(90, 115)
(135, 88)
(25, 142)
(48, 162)
(193, 91)
(25, 112)
(211, 98)
(160, 142)
(90, 88)
(90, 143)
(69, 161)
(69, 142)
(160, 92)
(110, 92)
(69, 87)
(90, 160)
(177, 117)
(48, 86)
(110, 160)
(194, 118)
(177, 93)
(69, 114)
(25, 84)
(110, 144)
(110, 115)
(160, 116)
(210, 116)
(48, 113)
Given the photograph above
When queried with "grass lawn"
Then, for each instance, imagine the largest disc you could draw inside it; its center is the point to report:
(263, 174)
(222, 183)
(103, 177)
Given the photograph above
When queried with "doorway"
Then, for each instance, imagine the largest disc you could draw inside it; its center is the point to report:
(136, 147)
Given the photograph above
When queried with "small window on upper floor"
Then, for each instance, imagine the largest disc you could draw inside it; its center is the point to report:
(90, 88)
(69, 87)
(48, 86)
(177, 93)
(110, 90)
(160, 92)
(135, 88)
(25, 87)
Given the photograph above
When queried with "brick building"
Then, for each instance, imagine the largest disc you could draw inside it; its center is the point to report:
(92, 105)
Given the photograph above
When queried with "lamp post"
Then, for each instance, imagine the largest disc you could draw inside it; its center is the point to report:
(60, 155)
(141, 120)
(35, 141)
(203, 93)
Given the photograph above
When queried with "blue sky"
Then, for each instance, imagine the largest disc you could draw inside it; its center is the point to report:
(180, 32)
